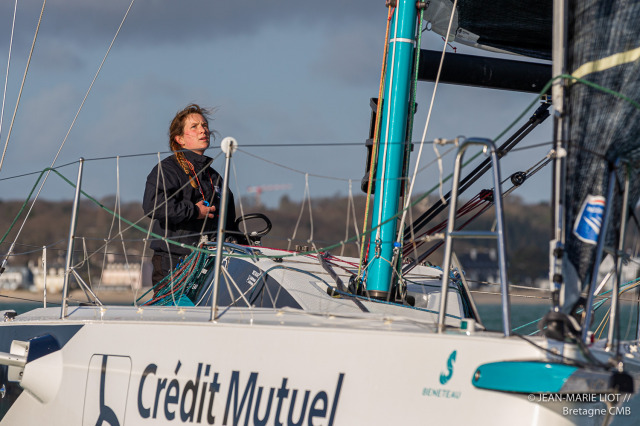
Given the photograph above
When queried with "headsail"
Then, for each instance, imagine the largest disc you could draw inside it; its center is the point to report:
(604, 47)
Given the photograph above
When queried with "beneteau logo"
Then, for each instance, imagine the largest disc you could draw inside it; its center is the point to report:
(445, 377)
(240, 398)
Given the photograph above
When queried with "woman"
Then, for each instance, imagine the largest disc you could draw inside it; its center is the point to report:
(182, 193)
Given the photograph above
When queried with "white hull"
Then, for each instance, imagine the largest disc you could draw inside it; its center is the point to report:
(161, 365)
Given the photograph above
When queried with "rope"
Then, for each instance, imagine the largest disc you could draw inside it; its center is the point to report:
(292, 169)
(351, 208)
(305, 197)
(376, 136)
(72, 123)
(381, 188)
(6, 76)
(426, 126)
(24, 78)
(397, 257)
(366, 232)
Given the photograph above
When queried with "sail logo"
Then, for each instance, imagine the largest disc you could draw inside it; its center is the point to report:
(589, 221)
(446, 376)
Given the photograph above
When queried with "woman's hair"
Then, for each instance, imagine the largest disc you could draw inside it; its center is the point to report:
(177, 124)
(177, 129)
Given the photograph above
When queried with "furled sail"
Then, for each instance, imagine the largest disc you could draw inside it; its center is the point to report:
(523, 27)
(603, 48)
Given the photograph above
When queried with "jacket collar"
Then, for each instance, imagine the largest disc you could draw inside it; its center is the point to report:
(198, 161)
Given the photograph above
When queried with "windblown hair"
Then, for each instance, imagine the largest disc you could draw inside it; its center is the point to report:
(177, 129)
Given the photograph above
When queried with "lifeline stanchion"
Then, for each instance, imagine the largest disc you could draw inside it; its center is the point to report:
(72, 233)
(228, 146)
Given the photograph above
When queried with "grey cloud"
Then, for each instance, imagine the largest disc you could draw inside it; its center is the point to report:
(91, 21)
(352, 55)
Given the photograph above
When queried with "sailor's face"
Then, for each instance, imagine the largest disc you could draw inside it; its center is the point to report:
(195, 134)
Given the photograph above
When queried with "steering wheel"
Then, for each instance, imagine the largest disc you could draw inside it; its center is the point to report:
(255, 236)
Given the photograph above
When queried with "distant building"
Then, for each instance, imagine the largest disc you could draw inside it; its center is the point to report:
(125, 275)
(15, 278)
(480, 267)
(116, 275)
(54, 276)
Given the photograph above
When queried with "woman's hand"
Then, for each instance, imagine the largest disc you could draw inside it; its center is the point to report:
(204, 211)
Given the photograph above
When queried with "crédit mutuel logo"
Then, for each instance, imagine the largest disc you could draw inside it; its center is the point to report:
(445, 376)
(198, 393)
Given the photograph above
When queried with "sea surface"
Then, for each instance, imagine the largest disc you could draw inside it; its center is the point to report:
(524, 317)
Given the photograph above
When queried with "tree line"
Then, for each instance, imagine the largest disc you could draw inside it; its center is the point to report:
(321, 222)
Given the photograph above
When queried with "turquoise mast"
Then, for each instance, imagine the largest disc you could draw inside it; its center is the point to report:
(393, 133)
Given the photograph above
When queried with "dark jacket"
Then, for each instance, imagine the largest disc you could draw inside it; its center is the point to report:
(178, 218)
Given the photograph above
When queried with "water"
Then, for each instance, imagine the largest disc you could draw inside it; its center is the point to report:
(524, 318)
(23, 306)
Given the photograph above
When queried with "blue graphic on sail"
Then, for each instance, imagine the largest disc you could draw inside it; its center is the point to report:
(589, 220)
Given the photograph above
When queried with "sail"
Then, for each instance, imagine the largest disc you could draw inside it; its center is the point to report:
(604, 47)
(522, 27)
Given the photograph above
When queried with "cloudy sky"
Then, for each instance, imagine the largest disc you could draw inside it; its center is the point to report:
(279, 72)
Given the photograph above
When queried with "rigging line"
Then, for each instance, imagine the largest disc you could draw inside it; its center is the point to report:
(153, 214)
(24, 78)
(213, 191)
(228, 277)
(86, 160)
(414, 87)
(419, 259)
(346, 231)
(26, 300)
(427, 193)
(295, 230)
(352, 206)
(484, 166)
(291, 168)
(6, 77)
(23, 253)
(533, 146)
(86, 254)
(397, 258)
(166, 215)
(120, 231)
(113, 220)
(414, 84)
(426, 127)
(432, 162)
(39, 172)
(72, 123)
(307, 191)
(103, 207)
(375, 142)
(104, 59)
(240, 204)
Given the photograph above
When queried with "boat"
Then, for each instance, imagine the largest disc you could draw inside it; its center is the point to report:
(250, 334)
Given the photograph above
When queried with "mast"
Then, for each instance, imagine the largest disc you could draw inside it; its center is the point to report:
(392, 145)
(556, 246)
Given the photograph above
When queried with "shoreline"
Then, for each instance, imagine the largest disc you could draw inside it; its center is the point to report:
(107, 297)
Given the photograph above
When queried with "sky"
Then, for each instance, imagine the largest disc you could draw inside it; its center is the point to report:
(283, 72)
